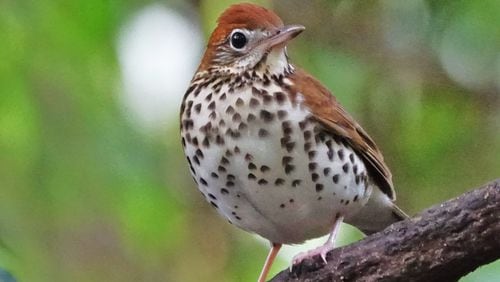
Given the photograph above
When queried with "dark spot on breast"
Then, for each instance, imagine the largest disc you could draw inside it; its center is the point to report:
(205, 142)
(230, 177)
(284, 140)
(326, 171)
(262, 181)
(252, 166)
(209, 97)
(355, 198)
(222, 97)
(314, 177)
(311, 154)
(197, 108)
(252, 176)
(328, 143)
(251, 117)
(214, 175)
(282, 206)
(197, 92)
(212, 196)
(280, 97)
(239, 102)
(214, 204)
(219, 140)
(286, 127)
(345, 167)
(263, 133)
(242, 126)
(191, 88)
(282, 114)
(266, 116)
(319, 187)
(233, 133)
(296, 182)
(289, 168)
(307, 146)
(211, 106)
(199, 153)
(212, 115)
(330, 154)
(313, 166)
(248, 157)
(267, 99)
(203, 181)
(335, 178)
(302, 124)
(236, 117)
(341, 154)
(229, 183)
(286, 160)
(196, 160)
(307, 135)
(229, 110)
(355, 169)
(289, 146)
(254, 103)
(221, 169)
(256, 92)
(279, 181)
(265, 168)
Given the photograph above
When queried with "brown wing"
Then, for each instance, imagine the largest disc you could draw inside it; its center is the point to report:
(337, 121)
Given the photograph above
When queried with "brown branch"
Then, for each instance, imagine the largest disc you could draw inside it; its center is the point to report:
(443, 243)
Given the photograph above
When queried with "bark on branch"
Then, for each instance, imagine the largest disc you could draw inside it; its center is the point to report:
(443, 243)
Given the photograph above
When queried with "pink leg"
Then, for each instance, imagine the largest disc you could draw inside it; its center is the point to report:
(269, 261)
(325, 248)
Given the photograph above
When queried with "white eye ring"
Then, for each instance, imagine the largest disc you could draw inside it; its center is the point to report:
(238, 39)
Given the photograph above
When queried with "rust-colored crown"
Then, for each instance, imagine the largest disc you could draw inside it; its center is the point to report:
(243, 15)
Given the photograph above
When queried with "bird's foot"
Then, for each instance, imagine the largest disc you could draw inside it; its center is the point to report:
(321, 251)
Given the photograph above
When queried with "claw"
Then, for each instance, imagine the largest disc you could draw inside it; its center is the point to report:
(322, 251)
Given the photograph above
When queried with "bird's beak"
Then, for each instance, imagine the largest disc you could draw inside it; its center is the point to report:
(282, 36)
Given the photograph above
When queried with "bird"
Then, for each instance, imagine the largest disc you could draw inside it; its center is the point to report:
(270, 147)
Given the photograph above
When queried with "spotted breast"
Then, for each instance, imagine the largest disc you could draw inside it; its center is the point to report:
(263, 161)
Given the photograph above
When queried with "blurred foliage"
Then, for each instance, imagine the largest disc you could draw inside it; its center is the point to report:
(85, 196)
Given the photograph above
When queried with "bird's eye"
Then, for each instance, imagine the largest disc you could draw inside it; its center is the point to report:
(238, 40)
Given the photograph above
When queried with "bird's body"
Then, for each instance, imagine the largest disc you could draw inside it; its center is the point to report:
(263, 161)
(270, 148)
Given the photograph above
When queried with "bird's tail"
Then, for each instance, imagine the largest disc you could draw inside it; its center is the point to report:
(377, 214)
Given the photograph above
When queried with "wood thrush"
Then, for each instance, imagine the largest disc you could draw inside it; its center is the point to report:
(269, 146)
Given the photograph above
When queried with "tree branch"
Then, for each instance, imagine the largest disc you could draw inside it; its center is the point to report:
(443, 243)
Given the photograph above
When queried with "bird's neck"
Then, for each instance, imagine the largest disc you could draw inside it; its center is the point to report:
(277, 63)
(274, 63)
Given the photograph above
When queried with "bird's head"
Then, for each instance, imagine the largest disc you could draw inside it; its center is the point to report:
(249, 37)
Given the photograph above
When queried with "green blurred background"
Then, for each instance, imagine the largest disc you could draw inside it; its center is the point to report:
(93, 184)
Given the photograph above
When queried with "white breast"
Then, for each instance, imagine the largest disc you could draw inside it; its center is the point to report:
(266, 164)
